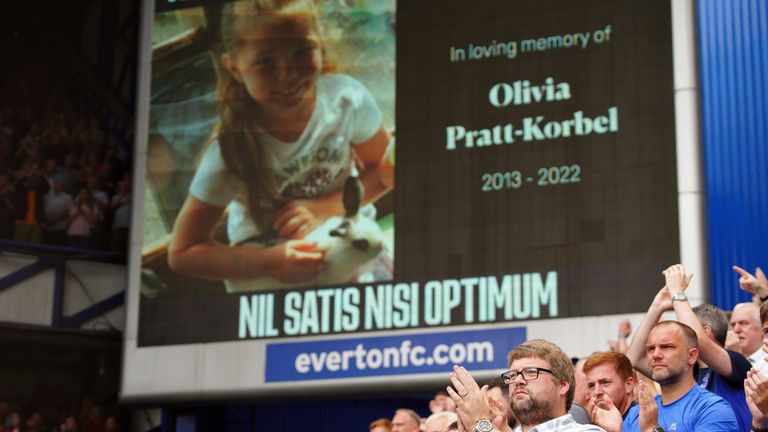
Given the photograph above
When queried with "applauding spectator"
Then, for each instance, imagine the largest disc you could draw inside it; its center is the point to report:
(57, 205)
(671, 353)
(541, 386)
(721, 371)
(84, 215)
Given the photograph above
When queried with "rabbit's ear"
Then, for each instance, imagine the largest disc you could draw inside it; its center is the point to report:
(341, 230)
(353, 193)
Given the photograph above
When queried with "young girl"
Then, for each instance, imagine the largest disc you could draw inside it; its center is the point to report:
(289, 133)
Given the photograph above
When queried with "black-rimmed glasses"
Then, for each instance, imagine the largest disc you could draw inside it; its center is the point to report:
(528, 374)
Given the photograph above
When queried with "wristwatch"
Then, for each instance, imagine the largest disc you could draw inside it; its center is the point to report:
(483, 425)
(679, 297)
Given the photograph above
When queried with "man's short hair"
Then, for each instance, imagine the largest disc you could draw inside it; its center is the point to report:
(411, 413)
(747, 305)
(559, 362)
(763, 312)
(450, 415)
(689, 335)
(715, 319)
(619, 361)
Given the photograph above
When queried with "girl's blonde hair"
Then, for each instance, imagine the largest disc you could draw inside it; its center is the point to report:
(238, 140)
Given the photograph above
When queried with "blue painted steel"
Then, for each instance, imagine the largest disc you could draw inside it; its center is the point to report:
(733, 65)
(58, 294)
(23, 274)
(55, 257)
(55, 251)
(165, 425)
(95, 310)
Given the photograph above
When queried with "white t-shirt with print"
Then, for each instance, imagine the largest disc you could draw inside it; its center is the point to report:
(314, 165)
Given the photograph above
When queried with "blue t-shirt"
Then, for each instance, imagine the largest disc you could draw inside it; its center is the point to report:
(697, 411)
(732, 390)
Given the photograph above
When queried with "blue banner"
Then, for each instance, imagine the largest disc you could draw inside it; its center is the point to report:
(391, 355)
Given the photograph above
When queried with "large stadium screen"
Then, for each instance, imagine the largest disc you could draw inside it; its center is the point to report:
(345, 190)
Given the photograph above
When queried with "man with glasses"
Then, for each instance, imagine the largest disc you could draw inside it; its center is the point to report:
(541, 387)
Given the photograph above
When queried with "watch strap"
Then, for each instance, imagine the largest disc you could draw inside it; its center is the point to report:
(679, 297)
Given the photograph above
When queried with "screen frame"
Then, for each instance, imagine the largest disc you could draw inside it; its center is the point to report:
(228, 370)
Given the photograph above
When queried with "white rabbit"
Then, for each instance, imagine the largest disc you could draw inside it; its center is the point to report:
(349, 242)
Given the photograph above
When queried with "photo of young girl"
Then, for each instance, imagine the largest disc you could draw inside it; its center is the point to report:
(298, 154)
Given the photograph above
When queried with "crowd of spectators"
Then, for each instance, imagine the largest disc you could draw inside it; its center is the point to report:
(704, 370)
(88, 418)
(63, 179)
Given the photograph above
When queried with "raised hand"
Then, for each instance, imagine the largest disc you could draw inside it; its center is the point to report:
(461, 420)
(604, 413)
(471, 399)
(499, 412)
(649, 411)
(620, 344)
(663, 300)
(676, 279)
(761, 277)
(756, 389)
(625, 328)
(756, 284)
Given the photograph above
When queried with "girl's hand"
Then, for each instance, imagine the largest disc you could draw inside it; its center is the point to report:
(295, 219)
(297, 261)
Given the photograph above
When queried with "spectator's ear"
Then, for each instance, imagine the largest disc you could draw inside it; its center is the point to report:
(708, 331)
(629, 385)
(693, 356)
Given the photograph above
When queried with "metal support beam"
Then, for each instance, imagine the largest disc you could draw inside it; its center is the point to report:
(58, 294)
(59, 266)
(24, 273)
(97, 309)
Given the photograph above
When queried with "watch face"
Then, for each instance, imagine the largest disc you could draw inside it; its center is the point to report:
(483, 426)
